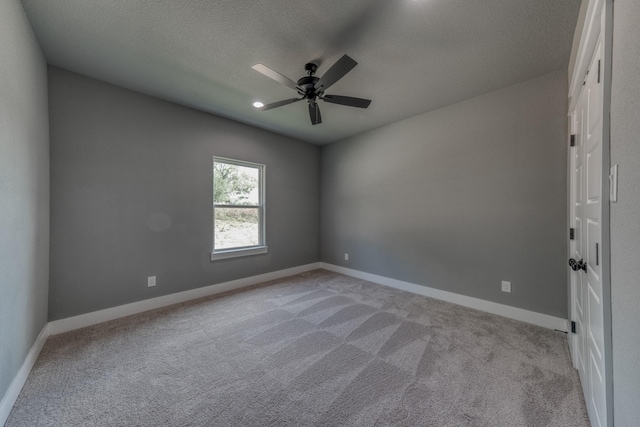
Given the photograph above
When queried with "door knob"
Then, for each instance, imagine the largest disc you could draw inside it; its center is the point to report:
(578, 265)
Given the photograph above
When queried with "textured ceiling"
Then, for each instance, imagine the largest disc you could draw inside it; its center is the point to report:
(413, 56)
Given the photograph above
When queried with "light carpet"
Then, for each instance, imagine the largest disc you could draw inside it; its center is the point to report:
(315, 349)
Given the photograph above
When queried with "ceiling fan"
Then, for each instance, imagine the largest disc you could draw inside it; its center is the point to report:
(312, 88)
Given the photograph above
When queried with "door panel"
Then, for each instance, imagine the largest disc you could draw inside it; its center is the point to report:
(596, 405)
(594, 95)
(595, 324)
(593, 213)
(586, 208)
(578, 279)
(592, 242)
(593, 169)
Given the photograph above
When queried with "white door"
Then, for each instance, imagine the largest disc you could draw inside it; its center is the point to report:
(578, 279)
(586, 207)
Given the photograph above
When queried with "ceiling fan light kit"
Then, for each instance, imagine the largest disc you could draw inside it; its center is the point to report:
(312, 88)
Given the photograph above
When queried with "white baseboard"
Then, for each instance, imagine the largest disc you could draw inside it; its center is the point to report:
(21, 377)
(520, 314)
(95, 317)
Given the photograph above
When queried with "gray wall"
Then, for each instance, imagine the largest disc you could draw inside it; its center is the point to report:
(625, 214)
(24, 190)
(459, 198)
(123, 163)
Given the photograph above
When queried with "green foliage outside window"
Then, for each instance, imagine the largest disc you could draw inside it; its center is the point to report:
(234, 185)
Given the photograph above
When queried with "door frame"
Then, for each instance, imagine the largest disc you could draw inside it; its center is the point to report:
(598, 20)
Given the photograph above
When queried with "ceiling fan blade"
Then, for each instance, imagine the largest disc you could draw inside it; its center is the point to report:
(279, 104)
(347, 100)
(314, 113)
(272, 74)
(335, 73)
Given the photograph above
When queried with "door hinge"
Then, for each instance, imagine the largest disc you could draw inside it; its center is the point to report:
(598, 71)
(573, 327)
(572, 233)
(572, 142)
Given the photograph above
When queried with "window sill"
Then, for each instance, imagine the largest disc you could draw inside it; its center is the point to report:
(234, 253)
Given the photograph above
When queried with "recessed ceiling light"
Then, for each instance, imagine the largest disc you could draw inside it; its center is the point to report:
(258, 104)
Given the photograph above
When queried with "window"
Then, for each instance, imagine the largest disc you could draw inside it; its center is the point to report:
(238, 209)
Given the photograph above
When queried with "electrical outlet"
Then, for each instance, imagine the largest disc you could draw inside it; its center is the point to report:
(346, 257)
(151, 281)
(506, 286)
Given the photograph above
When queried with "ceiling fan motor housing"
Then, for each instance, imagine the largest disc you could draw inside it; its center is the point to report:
(308, 84)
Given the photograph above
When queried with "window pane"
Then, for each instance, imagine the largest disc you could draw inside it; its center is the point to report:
(235, 185)
(236, 227)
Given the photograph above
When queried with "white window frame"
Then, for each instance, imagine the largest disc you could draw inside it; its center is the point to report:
(261, 247)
